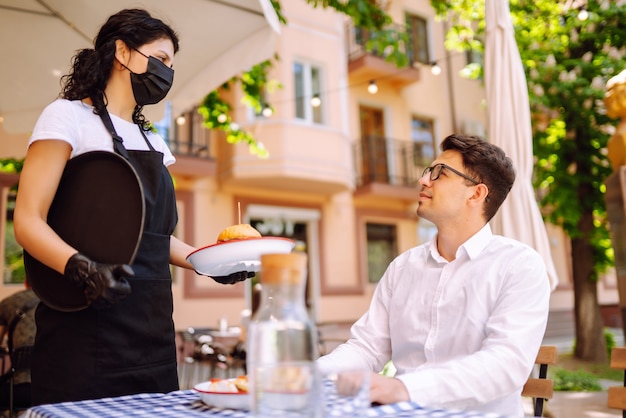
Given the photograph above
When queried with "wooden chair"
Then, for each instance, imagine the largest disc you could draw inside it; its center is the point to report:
(617, 394)
(541, 388)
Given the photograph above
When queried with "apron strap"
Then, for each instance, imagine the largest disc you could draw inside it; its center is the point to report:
(118, 142)
(146, 139)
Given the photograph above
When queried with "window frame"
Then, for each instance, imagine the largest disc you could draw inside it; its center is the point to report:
(433, 142)
(394, 247)
(424, 44)
(312, 114)
(381, 216)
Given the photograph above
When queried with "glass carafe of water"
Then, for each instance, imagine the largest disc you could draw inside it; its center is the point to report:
(282, 343)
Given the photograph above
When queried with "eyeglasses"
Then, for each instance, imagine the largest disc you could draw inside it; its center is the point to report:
(435, 172)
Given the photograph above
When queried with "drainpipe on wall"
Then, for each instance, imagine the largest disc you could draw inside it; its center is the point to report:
(450, 82)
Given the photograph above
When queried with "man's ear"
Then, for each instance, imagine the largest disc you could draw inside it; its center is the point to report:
(481, 191)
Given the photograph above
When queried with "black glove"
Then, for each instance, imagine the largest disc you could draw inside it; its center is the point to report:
(234, 277)
(103, 284)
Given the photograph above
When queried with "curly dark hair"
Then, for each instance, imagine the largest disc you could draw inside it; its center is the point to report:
(487, 163)
(91, 67)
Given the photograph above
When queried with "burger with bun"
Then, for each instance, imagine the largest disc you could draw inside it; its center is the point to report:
(239, 231)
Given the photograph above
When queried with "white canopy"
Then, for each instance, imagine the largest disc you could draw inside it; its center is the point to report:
(509, 127)
(38, 38)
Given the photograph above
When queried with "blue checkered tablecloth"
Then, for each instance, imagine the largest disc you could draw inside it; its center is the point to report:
(187, 403)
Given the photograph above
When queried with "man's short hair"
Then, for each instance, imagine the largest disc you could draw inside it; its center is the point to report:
(488, 164)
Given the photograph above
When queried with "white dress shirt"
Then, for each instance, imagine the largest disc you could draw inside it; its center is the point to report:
(462, 334)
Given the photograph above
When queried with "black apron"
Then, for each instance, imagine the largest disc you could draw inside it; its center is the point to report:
(129, 347)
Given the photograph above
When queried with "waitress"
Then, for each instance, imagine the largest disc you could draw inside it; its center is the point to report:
(123, 342)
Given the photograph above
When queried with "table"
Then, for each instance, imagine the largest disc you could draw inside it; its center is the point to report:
(187, 403)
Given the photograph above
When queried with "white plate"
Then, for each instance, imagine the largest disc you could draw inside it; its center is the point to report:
(239, 400)
(228, 257)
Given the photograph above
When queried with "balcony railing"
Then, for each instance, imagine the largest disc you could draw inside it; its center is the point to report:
(357, 39)
(191, 138)
(390, 161)
(373, 64)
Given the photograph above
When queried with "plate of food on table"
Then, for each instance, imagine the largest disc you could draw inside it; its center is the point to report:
(225, 393)
(237, 248)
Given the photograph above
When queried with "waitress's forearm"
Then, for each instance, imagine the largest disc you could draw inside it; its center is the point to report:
(45, 245)
(179, 252)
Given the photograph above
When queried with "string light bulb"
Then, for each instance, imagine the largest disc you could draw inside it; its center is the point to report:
(435, 69)
(583, 14)
(221, 118)
(372, 87)
(180, 120)
(316, 101)
(267, 111)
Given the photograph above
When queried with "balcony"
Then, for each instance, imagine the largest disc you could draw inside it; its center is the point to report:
(386, 167)
(372, 65)
(192, 146)
(301, 159)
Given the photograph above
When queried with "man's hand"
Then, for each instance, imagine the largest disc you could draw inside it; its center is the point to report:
(234, 277)
(385, 390)
(103, 284)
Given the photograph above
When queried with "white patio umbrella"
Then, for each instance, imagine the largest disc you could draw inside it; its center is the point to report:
(510, 128)
(218, 39)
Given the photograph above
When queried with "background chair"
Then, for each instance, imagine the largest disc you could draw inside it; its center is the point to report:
(617, 394)
(331, 334)
(541, 388)
(19, 393)
(20, 361)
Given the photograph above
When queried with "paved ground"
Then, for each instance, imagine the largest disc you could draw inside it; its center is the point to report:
(577, 405)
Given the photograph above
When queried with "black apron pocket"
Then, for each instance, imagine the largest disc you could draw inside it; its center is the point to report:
(140, 333)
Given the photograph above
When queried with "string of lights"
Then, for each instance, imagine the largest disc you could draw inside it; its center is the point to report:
(316, 99)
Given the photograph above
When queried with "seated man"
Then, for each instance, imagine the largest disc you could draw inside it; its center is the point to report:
(461, 317)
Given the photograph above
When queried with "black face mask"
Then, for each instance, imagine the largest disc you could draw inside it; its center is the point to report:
(152, 86)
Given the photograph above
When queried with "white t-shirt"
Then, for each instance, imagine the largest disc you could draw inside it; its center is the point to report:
(74, 122)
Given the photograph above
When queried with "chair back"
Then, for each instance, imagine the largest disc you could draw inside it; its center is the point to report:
(541, 388)
(20, 358)
(617, 394)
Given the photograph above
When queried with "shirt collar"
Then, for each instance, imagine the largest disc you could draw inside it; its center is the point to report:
(472, 247)
(477, 242)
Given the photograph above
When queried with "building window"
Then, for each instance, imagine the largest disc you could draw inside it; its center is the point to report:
(423, 137)
(308, 87)
(302, 225)
(474, 64)
(473, 57)
(417, 50)
(381, 249)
